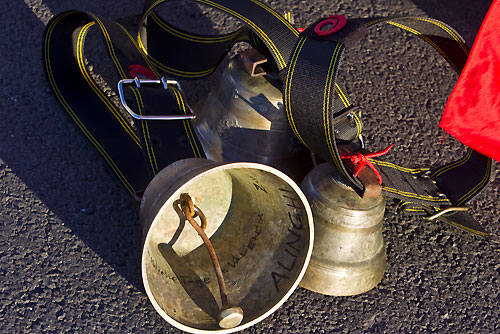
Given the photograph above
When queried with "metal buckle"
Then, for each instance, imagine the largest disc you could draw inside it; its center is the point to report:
(165, 84)
(445, 211)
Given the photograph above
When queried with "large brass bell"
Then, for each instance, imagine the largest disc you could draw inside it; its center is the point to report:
(243, 119)
(349, 255)
(259, 225)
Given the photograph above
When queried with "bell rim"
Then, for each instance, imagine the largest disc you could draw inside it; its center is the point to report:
(217, 167)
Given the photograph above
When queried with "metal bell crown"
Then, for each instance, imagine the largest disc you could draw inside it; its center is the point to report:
(243, 119)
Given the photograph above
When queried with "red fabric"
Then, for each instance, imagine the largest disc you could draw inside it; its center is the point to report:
(472, 113)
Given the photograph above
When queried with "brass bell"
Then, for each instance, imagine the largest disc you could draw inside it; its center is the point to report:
(349, 255)
(243, 119)
(257, 222)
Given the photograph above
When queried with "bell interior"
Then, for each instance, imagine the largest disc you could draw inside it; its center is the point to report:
(260, 231)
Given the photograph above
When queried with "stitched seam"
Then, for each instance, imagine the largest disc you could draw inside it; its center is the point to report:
(110, 47)
(97, 91)
(413, 195)
(479, 186)
(425, 38)
(288, 88)
(448, 30)
(403, 169)
(137, 95)
(143, 55)
(415, 210)
(358, 124)
(273, 47)
(279, 17)
(66, 106)
(145, 132)
(449, 221)
(369, 24)
(453, 165)
(341, 98)
(326, 105)
(345, 100)
(187, 125)
(193, 38)
(171, 70)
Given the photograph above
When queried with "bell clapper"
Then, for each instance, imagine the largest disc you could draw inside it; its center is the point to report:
(229, 316)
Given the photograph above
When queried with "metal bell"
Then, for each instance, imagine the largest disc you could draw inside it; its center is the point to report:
(349, 255)
(247, 249)
(243, 119)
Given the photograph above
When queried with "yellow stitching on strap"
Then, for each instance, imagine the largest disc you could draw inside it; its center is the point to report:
(279, 17)
(66, 106)
(415, 210)
(485, 179)
(451, 222)
(192, 141)
(403, 169)
(273, 47)
(110, 47)
(187, 124)
(344, 98)
(359, 125)
(413, 195)
(171, 70)
(288, 88)
(448, 30)
(193, 38)
(425, 38)
(145, 131)
(457, 163)
(111, 107)
(326, 105)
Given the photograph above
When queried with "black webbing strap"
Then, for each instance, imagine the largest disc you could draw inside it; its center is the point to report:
(313, 100)
(108, 131)
(137, 155)
(312, 73)
(134, 156)
(177, 52)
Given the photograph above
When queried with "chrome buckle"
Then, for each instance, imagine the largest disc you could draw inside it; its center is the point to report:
(165, 83)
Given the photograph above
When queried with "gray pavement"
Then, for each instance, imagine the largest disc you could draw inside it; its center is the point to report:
(70, 242)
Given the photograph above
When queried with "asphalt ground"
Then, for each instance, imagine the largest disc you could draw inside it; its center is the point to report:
(70, 242)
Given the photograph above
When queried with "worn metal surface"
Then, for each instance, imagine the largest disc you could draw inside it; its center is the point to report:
(259, 224)
(242, 119)
(349, 255)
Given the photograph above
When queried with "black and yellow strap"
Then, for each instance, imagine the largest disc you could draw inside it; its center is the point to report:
(136, 155)
(177, 52)
(89, 108)
(312, 71)
(318, 109)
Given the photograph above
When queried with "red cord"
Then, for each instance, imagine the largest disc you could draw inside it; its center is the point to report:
(360, 160)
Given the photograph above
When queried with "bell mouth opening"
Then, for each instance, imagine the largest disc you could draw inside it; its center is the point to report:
(260, 226)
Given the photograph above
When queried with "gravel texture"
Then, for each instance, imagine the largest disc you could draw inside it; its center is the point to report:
(70, 241)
